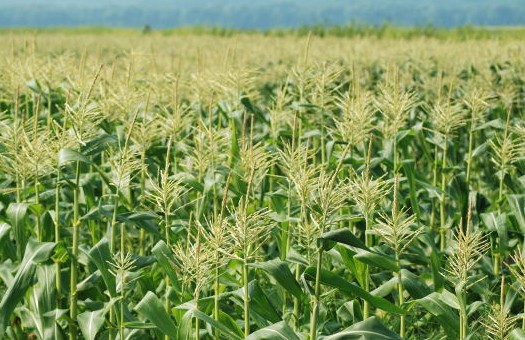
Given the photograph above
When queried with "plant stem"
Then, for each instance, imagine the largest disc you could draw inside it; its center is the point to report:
(246, 297)
(469, 154)
(112, 312)
(296, 302)
(74, 257)
(366, 306)
(58, 280)
(216, 288)
(316, 297)
(434, 183)
(121, 319)
(142, 235)
(463, 317)
(442, 215)
(400, 290)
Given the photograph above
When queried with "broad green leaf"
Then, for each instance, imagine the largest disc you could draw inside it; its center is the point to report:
(163, 255)
(343, 236)
(385, 288)
(357, 268)
(376, 260)
(16, 212)
(4, 231)
(280, 271)
(152, 308)
(350, 312)
(497, 222)
(331, 279)
(369, 329)
(35, 253)
(259, 303)
(294, 257)
(98, 144)
(517, 205)
(517, 334)
(7, 248)
(90, 323)
(42, 299)
(414, 285)
(195, 313)
(68, 155)
(447, 317)
(99, 255)
(229, 322)
(410, 172)
(277, 331)
(435, 261)
(139, 325)
(185, 326)
(362, 252)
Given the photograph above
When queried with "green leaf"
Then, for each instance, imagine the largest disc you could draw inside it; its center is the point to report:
(414, 285)
(376, 260)
(16, 212)
(369, 329)
(517, 205)
(447, 318)
(277, 331)
(67, 155)
(152, 308)
(410, 172)
(280, 271)
(517, 334)
(343, 236)
(362, 252)
(90, 323)
(35, 252)
(99, 255)
(497, 222)
(331, 279)
(229, 322)
(4, 231)
(42, 301)
(350, 312)
(163, 255)
(259, 302)
(357, 268)
(195, 313)
(435, 260)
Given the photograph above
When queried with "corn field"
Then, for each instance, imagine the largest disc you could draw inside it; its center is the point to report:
(261, 187)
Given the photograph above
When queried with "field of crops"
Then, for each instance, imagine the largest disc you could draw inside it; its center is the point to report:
(253, 186)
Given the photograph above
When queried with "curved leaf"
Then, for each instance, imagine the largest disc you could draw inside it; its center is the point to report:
(343, 236)
(152, 308)
(90, 323)
(280, 271)
(333, 280)
(100, 254)
(369, 329)
(376, 260)
(35, 252)
(447, 318)
(163, 255)
(214, 323)
(68, 155)
(277, 331)
(16, 212)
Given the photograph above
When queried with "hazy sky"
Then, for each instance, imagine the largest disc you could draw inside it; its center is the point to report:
(259, 13)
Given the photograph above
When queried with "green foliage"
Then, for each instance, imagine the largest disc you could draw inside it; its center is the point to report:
(204, 188)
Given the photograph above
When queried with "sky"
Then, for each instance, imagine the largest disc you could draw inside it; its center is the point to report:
(259, 14)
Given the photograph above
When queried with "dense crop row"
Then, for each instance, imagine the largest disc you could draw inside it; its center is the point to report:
(161, 195)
